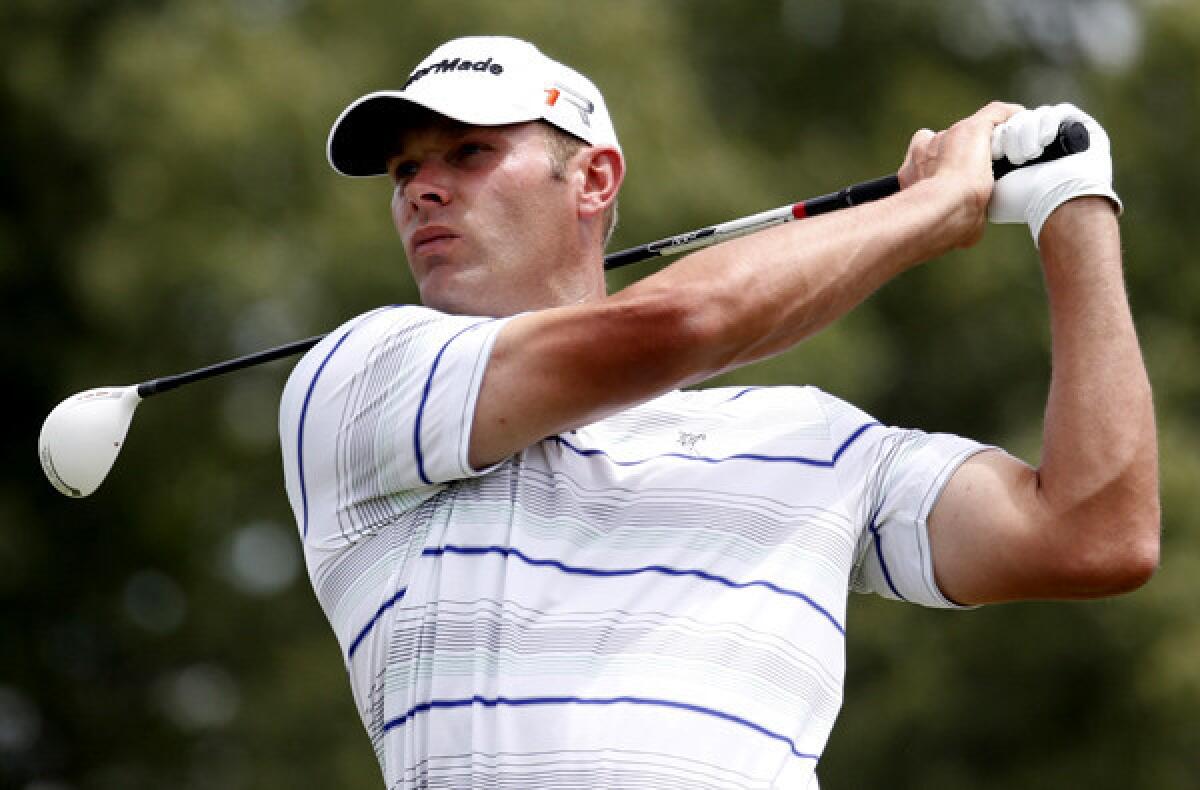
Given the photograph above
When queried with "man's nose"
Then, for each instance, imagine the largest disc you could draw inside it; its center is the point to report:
(427, 186)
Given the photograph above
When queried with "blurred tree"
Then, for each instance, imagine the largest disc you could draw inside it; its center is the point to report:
(165, 203)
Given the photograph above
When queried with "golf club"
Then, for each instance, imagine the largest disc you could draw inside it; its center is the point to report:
(81, 437)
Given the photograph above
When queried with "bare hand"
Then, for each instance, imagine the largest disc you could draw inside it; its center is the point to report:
(960, 160)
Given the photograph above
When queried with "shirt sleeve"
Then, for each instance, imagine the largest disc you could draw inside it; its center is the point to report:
(894, 477)
(377, 417)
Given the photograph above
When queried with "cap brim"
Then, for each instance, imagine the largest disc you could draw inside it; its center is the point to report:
(365, 133)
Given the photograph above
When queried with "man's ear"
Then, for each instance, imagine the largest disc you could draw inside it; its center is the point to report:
(603, 170)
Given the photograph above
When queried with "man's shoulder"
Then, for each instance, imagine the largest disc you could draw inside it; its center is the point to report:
(348, 342)
(365, 331)
(388, 319)
(388, 344)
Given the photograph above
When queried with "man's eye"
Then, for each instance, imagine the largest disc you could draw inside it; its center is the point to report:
(467, 150)
(404, 171)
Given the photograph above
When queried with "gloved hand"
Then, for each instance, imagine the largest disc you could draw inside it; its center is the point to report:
(1030, 194)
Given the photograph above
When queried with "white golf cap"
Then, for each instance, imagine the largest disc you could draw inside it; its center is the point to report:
(482, 81)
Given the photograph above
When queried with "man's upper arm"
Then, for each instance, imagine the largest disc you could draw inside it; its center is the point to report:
(985, 531)
(557, 369)
(996, 536)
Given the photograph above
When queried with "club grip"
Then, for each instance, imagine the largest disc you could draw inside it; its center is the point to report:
(853, 195)
(1072, 138)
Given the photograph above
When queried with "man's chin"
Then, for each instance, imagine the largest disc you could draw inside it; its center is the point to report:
(458, 293)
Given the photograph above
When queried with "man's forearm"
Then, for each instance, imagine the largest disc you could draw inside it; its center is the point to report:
(771, 290)
(1099, 466)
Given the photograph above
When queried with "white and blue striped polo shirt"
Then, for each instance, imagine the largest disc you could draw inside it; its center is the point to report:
(656, 600)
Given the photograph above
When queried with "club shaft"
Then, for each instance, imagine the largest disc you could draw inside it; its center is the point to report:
(1072, 138)
(166, 383)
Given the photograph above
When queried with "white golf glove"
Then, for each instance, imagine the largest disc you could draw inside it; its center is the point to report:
(1030, 194)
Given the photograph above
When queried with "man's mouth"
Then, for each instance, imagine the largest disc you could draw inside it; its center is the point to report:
(431, 238)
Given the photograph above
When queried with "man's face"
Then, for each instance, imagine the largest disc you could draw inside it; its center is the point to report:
(484, 221)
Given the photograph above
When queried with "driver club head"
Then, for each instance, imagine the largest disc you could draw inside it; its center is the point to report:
(81, 437)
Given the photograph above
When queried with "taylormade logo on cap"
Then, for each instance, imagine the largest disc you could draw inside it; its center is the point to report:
(455, 65)
(481, 81)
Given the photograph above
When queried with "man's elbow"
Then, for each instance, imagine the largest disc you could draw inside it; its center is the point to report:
(1123, 560)
(1141, 560)
(1131, 568)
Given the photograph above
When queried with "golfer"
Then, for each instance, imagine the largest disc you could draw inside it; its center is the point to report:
(550, 562)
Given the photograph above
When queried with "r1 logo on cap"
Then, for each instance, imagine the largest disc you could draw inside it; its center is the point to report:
(581, 102)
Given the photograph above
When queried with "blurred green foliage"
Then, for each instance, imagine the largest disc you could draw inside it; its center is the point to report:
(164, 203)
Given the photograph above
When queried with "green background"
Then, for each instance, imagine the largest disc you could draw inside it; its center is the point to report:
(165, 203)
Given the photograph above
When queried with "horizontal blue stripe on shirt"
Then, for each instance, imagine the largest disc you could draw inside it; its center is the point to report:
(506, 551)
(493, 702)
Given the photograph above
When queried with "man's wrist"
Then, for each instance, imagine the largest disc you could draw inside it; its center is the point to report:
(956, 217)
(1040, 211)
(1068, 222)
